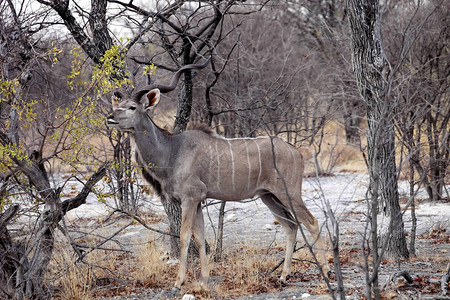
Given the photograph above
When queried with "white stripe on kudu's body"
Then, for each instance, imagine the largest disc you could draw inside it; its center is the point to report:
(248, 165)
(232, 165)
(195, 165)
(259, 161)
(218, 167)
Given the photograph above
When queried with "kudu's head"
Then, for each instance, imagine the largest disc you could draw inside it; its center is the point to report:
(128, 111)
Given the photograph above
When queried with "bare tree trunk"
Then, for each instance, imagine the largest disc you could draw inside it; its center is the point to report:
(173, 211)
(372, 284)
(369, 63)
(219, 239)
(412, 242)
(184, 104)
(185, 96)
(99, 27)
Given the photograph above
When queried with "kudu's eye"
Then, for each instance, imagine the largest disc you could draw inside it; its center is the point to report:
(132, 107)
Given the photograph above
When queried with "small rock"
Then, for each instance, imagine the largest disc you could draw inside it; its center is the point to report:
(172, 262)
(189, 297)
(305, 295)
(231, 218)
(268, 227)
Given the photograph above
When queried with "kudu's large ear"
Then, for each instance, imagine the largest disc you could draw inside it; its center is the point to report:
(152, 98)
(115, 100)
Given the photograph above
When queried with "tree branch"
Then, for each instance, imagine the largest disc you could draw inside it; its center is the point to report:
(8, 215)
(61, 7)
(145, 225)
(80, 199)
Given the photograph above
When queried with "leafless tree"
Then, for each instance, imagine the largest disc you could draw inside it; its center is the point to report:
(322, 27)
(369, 62)
(421, 89)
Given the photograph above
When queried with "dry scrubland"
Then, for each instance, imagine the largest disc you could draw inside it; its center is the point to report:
(133, 264)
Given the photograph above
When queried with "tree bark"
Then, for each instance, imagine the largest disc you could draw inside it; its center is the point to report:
(219, 239)
(10, 255)
(369, 62)
(185, 96)
(99, 26)
(184, 103)
(172, 207)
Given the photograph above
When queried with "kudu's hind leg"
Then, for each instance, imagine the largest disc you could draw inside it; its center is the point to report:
(284, 217)
(199, 237)
(304, 216)
(310, 222)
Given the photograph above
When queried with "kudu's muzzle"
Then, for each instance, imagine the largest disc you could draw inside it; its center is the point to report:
(110, 122)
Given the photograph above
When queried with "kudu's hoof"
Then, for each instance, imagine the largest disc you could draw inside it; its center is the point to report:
(283, 280)
(204, 284)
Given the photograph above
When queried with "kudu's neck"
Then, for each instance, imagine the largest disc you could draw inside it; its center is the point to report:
(155, 146)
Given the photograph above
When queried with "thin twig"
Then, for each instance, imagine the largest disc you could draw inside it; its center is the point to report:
(144, 224)
(282, 260)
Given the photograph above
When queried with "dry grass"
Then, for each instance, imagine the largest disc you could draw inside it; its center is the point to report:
(151, 269)
(240, 272)
(73, 281)
(245, 270)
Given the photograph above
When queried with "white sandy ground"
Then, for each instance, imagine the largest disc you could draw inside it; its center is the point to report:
(251, 221)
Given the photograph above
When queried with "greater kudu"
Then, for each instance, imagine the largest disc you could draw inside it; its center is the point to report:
(195, 165)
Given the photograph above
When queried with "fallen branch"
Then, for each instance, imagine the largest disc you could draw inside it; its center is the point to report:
(282, 260)
(403, 274)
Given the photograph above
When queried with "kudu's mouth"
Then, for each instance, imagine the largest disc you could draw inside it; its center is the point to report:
(110, 122)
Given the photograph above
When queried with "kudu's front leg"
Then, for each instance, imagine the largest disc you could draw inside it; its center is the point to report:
(188, 214)
(192, 222)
